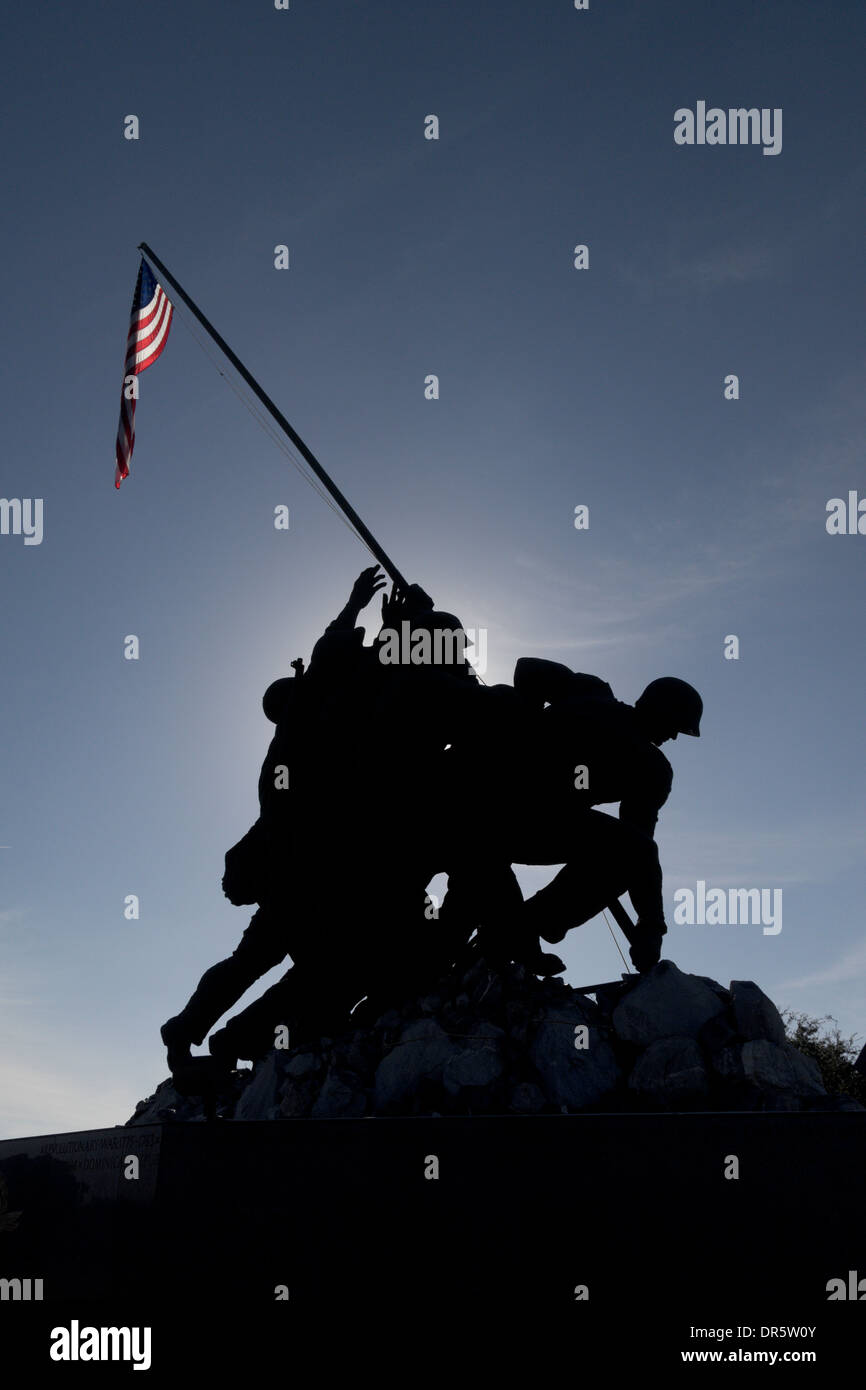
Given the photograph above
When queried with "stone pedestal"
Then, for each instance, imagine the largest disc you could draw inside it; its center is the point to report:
(575, 1225)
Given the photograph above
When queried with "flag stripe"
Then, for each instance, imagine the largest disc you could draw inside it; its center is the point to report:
(145, 334)
(149, 323)
(149, 343)
(147, 317)
(150, 309)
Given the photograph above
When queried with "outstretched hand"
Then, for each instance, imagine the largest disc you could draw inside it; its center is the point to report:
(393, 606)
(368, 583)
(404, 602)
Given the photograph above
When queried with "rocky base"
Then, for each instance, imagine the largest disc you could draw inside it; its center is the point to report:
(505, 1042)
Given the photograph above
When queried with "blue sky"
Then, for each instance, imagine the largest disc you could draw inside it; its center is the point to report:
(557, 387)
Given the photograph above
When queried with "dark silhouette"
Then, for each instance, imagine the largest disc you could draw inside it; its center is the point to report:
(382, 729)
(261, 866)
(469, 779)
(589, 748)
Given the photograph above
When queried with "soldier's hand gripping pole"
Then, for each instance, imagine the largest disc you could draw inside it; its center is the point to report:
(644, 947)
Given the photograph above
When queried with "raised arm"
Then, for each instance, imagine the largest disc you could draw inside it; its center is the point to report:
(641, 810)
(368, 583)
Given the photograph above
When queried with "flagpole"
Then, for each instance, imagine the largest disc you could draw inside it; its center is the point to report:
(342, 502)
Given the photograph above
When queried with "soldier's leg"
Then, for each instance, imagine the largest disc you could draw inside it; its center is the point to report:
(479, 894)
(486, 895)
(315, 996)
(309, 1003)
(483, 892)
(262, 946)
(606, 858)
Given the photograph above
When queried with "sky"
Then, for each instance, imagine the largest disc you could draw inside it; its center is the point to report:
(559, 387)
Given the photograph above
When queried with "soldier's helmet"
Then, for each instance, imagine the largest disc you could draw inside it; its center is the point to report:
(434, 619)
(445, 648)
(449, 640)
(671, 706)
(279, 698)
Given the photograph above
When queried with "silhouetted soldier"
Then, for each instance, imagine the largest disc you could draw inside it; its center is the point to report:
(352, 729)
(589, 749)
(259, 869)
(389, 720)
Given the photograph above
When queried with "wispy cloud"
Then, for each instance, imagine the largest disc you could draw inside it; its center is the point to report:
(613, 611)
(793, 853)
(737, 255)
(709, 271)
(847, 968)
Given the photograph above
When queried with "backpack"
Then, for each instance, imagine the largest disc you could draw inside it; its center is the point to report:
(243, 868)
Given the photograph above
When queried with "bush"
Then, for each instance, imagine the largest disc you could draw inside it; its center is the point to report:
(834, 1054)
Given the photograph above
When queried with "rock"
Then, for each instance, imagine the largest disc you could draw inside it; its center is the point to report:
(478, 1062)
(361, 1056)
(608, 996)
(718, 1034)
(454, 1020)
(671, 1073)
(714, 985)
(516, 977)
(490, 992)
(517, 1020)
(432, 1003)
(422, 1051)
(590, 1008)
(756, 1016)
(728, 1063)
(260, 1100)
(301, 1065)
(297, 1098)
(665, 1003)
(773, 1068)
(477, 976)
(340, 1095)
(569, 1075)
(484, 1034)
(392, 1018)
(474, 1067)
(165, 1104)
(490, 1041)
(526, 1098)
(782, 1101)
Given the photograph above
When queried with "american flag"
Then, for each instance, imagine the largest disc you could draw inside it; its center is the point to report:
(148, 330)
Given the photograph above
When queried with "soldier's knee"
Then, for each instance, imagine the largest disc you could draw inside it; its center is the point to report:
(639, 848)
(264, 941)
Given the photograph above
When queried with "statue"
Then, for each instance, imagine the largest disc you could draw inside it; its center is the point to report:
(395, 755)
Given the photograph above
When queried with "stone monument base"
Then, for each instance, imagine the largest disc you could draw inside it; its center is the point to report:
(612, 1235)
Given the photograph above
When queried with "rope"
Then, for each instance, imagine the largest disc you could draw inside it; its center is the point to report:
(615, 942)
(273, 434)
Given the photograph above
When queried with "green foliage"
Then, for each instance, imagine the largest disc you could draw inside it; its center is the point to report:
(834, 1054)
